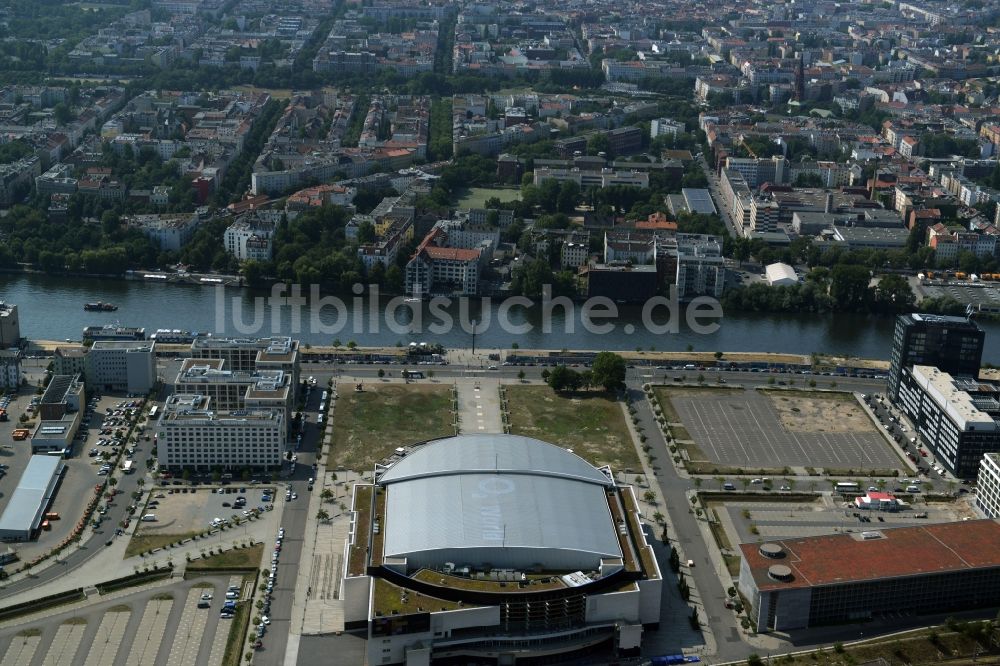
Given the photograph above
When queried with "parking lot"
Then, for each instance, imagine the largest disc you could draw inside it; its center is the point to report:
(162, 625)
(976, 293)
(185, 510)
(744, 428)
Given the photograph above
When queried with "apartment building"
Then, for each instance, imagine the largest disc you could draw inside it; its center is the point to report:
(192, 433)
(249, 238)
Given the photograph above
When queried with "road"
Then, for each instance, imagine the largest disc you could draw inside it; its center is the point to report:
(714, 188)
(293, 519)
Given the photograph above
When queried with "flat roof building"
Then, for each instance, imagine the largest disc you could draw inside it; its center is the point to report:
(698, 200)
(952, 344)
(35, 491)
(122, 365)
(496, 547)
(955, 416)
(251, 354)
(192, 434)
(801, 583)
(230, 389)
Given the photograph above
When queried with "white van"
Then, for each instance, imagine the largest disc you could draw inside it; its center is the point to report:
(149, 518)
(912, 489)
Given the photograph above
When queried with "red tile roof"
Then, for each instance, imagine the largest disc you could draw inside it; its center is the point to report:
(903, 551)
(453, 253)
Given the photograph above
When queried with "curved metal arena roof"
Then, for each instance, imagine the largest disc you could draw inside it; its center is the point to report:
(503, 500)
(509, 454)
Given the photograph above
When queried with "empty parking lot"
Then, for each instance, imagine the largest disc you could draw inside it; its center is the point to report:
(744, 428)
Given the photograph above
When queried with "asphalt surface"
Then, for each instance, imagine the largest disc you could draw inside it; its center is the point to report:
(127, 484)
(293, 519)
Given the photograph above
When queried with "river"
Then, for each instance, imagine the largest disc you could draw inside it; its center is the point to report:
(51, 308)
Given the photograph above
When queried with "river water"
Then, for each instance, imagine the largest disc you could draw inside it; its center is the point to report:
(51, 307)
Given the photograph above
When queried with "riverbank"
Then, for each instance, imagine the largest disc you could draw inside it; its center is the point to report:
(319, 353)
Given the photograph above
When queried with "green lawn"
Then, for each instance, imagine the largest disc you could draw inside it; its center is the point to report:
(475, 197)
(368, 426)
(140, 543)
(591, 423)
(242, 558)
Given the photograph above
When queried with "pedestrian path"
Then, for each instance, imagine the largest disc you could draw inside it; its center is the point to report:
(63, 647)
(108, 640)
(21, 650)
(479, 406)
(147, 639)
(186, 641)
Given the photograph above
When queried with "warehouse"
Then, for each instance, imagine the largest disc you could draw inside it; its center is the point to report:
(848, 577)
(33, 495)
(493, 539)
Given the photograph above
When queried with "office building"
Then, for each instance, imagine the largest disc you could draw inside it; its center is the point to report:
(191, 433)
(988, 486)
(10, 327)
(952, 344)
(497, 548)
(955, 416)
(250, 354)
(855, 576)
(59, 415)
(120, 365)
(235, 389)
(624, 283)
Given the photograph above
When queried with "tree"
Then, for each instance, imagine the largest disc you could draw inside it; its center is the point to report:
(326, 495)
(598, 143)
(520, 375)
(322, 515)
(609, 370)
(849, 287)
(563, 379)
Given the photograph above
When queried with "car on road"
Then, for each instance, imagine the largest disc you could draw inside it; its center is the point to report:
(206, 596)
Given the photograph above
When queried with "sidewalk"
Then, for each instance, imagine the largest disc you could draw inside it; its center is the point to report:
(648, 510)
(479, 406)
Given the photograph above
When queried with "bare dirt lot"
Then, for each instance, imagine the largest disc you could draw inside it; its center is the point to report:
(818, 412)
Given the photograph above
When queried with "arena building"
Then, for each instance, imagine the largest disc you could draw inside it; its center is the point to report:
(494, 549)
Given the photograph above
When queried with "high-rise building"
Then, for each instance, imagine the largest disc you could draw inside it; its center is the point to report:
(952, 344)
